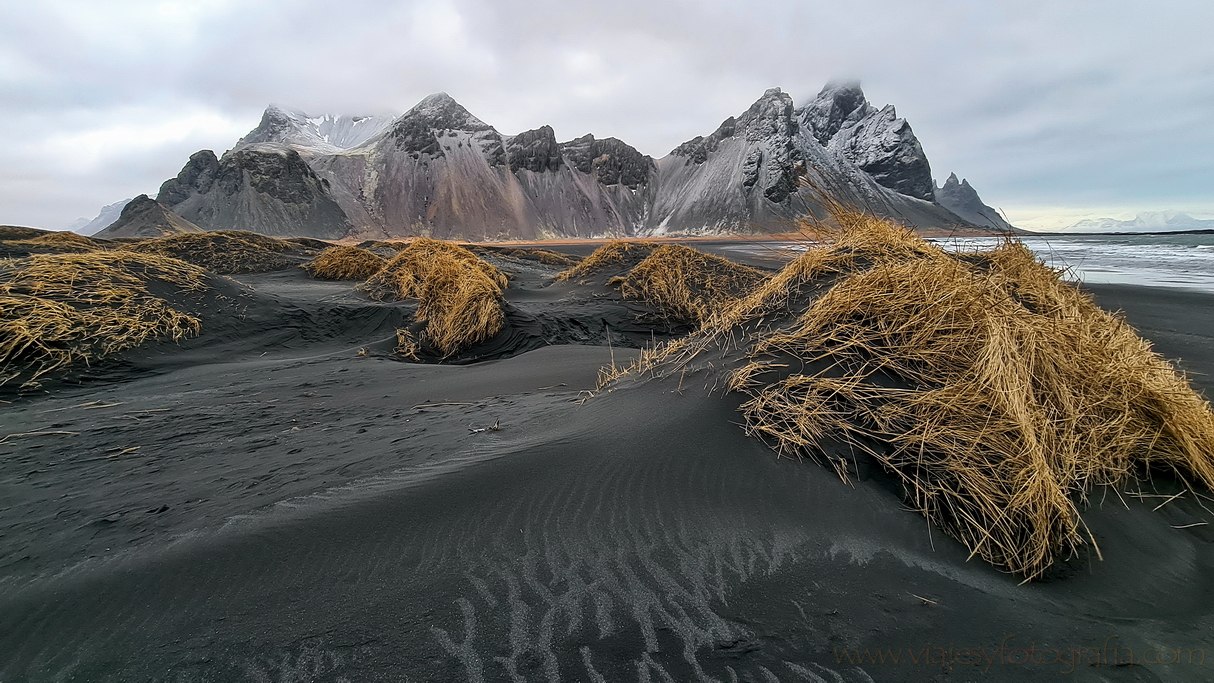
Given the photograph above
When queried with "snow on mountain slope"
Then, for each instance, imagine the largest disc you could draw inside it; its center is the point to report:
(325, 134)
(1147, 221)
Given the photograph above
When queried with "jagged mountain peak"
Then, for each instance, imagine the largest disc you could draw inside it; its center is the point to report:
(843, 91)
(418, 130)
(770, 115)
(952, 182)
(882, 145)
(535, 150)
(438, 169)
(611, 160)
(962, 199)
(839, 105)
(323, 133)
(442, 112)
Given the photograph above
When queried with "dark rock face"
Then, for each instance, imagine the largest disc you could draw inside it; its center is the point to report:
(285, 177)
(146, 217)
(264, 188)
(698, 148)
(876, 140)
(276, 125)
(771, 120)
(196, 176)
(534, 150)
(770, 127)
(419, 130)
(610, 161)
(438, 170)
(963, 200)
(839, 105)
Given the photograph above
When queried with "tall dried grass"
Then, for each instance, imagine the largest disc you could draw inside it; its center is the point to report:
(459, 296)
(345, 263)
(617, 255)
(226, 252)
(999, 395)
(687, 284)
(58, 310)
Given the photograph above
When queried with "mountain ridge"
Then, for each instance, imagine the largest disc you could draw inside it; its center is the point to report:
(146, 217)
(960, 197)
(439, 170)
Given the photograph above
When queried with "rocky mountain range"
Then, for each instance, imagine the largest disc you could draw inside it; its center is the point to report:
(439, 170)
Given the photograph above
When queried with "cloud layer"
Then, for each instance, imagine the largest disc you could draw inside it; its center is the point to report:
(1049, 108)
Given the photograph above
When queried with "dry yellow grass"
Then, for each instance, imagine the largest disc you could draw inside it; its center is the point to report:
(222, 251)
(999, 395)
(687, 284)
(58, 310)
(17, 232)
(56, 242)
(407, 345)
(615, 255)
(459, 296)
(344, 263)
(545, 256)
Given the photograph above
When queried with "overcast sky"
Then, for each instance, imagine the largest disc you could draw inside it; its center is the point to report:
(1055, 110)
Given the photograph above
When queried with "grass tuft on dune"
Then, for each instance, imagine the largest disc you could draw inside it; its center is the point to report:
(226, 252)
(617, 256)
(999, 395)
(59, 310)
(687, 284)
(344, 263)
(544, 256)
(54, 243)
(17, 232)
(459, 296)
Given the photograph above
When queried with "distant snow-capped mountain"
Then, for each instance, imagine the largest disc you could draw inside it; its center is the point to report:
(107, 215)
(1147, 221)
(439, 170)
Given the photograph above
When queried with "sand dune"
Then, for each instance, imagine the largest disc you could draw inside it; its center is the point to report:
(282, 498)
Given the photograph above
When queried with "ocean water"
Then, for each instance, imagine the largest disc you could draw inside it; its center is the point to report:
(1184, 261)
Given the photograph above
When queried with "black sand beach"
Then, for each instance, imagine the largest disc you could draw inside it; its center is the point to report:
(284, 499)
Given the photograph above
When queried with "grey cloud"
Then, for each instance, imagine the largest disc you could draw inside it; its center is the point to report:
(1035, 102)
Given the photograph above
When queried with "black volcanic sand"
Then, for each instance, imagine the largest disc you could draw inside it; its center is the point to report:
(282, 499)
